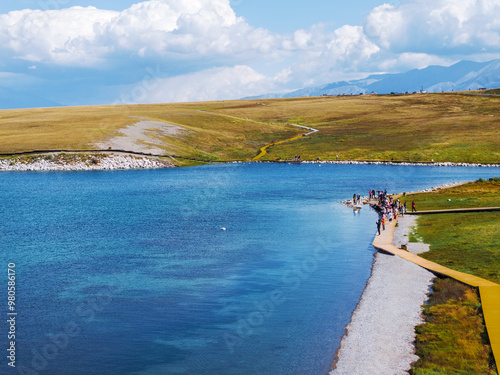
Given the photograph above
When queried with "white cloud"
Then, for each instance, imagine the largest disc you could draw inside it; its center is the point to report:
(64, 36)
(331, 55)
(407, 61)
(211, 84)
(174, 26)
(208, 36)
(441, 27)
(180, 29)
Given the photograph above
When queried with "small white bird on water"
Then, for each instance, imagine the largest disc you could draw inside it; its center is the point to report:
(223, 228)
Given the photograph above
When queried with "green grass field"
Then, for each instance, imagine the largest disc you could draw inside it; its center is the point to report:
(452, 339)
(466, 242)
(473, 194)
(443, 127)
(470, 243)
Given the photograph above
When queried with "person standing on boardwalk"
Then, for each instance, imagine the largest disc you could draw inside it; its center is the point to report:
(378, 226)
(413, 209)
(383, 222)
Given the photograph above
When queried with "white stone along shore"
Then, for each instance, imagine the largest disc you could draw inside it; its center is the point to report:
(106, 160)
(379, 339)
(405, 163)
(77, 162)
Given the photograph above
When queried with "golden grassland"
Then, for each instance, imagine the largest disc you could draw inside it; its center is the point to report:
(209, 136)
(443, 127)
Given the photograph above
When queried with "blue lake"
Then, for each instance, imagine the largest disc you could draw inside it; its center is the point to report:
(129, 272)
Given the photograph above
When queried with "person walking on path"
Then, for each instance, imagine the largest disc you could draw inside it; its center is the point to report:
(383, 222)
(378, 226)
(413, 209)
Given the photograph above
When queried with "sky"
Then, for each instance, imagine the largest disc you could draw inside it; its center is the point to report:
(77, 52)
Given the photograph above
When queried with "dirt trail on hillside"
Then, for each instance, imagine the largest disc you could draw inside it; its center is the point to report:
(142, 137)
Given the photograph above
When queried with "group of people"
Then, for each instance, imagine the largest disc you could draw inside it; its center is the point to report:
(372, 193)
(356, 198)
(390, 208)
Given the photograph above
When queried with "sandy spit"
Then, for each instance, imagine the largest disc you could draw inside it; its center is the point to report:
(379, 339)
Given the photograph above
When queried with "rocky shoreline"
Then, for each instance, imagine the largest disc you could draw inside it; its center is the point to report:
(404, 163)
(118, 159)
(380, 336)
(80, 162)
(379, 339)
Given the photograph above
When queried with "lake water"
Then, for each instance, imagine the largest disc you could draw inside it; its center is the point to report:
(129, 272)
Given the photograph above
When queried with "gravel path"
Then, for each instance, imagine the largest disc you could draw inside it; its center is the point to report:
(140, 137)
(379, 339)
(405, 226)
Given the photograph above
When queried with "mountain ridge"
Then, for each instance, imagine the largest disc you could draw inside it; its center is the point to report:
(462, 76)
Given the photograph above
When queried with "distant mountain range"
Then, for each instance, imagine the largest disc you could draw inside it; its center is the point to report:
(11, 99)
(463, 76)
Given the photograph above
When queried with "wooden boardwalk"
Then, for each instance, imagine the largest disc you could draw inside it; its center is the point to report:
(489, 291)
(455, 210)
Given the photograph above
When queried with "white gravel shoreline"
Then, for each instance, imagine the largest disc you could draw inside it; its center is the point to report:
(81, 163)
(127, 161)
(379, 339)
(404, 163)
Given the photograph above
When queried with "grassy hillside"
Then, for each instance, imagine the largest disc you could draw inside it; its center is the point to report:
(443, 127)
(492, 92)
(207, 136)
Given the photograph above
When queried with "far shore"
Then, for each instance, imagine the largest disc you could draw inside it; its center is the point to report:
(81, 162)
(20, 161)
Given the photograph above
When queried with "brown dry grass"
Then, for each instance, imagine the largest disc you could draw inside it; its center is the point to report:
(443, 127)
